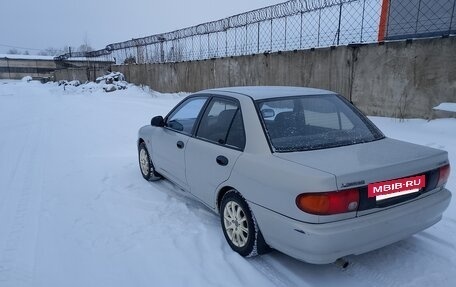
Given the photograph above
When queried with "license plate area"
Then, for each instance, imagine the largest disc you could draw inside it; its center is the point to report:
(370, 203)
(380, 198)
(395, 188)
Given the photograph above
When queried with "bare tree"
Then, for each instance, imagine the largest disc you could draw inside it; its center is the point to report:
(50, 51)
(13, 51)
(85, 48)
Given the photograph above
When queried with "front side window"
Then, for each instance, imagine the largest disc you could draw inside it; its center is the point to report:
(222, 124)
(184, 117)
(314, 122)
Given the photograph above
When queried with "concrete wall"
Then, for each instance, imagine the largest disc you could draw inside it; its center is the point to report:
(321, 67)
(398, 79)
(405, 79)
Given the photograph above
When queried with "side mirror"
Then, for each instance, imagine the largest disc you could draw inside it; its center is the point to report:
(157, 121)
(268, 113)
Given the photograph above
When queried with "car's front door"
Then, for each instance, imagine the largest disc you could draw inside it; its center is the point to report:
(211, 155)
(169, 144)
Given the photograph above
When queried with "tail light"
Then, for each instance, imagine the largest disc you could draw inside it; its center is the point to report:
(326, 203)
(444, 173)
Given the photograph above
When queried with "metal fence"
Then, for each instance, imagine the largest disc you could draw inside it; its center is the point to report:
(292, 25)
(417, 18)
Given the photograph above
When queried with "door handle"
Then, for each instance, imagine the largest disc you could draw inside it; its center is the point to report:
(221, 160)
(180, 144)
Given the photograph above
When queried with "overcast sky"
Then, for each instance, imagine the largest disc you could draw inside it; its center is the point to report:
(38, 24)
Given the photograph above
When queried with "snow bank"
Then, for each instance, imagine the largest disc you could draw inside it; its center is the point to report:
(112, 82)
(73, 83)
(27, 79)
(115, 88)
(111, 77)
(449, 107)
(108, 83)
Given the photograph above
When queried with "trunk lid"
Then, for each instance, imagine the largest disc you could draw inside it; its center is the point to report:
(361, 164)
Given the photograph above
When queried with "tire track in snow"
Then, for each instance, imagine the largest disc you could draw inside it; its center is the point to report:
(379, 267)
(17, 260)
(208, 223)
(364, 272)
(272, 273)
(259, 263)
(7, 252)
(12, 177)
(265, 265)
(450, 220)
(415, 247)
(431, 237)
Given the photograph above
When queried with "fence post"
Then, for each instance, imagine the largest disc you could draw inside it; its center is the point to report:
(271, 36)
(138, 58)
(235, 41)
(201, 47)
(300, 32)
(319, 23)
(362, 21)
(451, 19)
(246, 46)
(193, 49)
(226, 43)
(162, 51)
(388, 19)
(285, 42)
(147, 54)
(338, 27)
(417, 17)
(217, 49)
(258, 37)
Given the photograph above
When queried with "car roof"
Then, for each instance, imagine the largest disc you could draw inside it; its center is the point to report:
(267, 92)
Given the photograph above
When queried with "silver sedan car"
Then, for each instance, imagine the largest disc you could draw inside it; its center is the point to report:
(299, 170)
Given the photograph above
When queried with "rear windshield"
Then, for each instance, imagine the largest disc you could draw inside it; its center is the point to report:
(314, 122)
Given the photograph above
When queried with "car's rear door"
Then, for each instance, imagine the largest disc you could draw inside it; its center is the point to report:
(212, 153)
(170, 142)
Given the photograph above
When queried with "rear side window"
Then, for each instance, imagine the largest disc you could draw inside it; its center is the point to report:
(236, 135)
(222, 124)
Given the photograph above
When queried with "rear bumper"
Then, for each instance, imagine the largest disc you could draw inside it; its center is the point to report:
(325, 243)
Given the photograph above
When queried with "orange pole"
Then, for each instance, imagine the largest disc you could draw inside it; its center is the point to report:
(383, 20)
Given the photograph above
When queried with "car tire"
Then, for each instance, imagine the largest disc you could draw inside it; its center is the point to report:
(240, 227)
(145, 164)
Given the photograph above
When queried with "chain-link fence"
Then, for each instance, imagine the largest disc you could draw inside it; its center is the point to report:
(292, 25)
(417, 18)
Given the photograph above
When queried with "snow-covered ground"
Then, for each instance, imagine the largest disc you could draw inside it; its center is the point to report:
(449, 107)
(75, 211)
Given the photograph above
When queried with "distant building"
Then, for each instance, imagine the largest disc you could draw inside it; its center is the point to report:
(39, 67)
